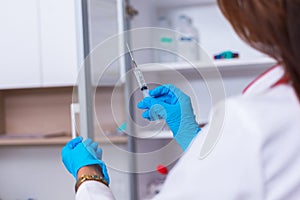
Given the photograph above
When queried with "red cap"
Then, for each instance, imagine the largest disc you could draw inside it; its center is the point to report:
(162, 169)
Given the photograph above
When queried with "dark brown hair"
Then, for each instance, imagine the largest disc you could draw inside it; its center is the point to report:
(270, 26)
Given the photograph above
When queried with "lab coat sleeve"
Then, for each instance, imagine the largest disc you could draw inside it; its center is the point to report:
(94, 190)
(232, 170)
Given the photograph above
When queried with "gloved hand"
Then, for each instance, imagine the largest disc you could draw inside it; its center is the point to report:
(77, 154)
(170, 103)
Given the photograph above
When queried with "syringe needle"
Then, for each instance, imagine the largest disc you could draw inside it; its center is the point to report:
(138, 75)
(129, 52)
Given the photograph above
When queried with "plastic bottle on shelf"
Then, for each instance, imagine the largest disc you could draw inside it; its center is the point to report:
(165, 40)
(187, 39)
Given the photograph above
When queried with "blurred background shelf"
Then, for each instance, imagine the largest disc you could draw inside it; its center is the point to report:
(230, 64)
(165, 134)
(56, 141)
(34, 141)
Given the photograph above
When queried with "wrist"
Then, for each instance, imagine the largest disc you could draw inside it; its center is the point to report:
(85, 178)
(185, 136)
(89, 170)
(90, 173)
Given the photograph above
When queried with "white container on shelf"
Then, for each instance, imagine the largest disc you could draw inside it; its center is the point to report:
(187, 39)
(165, 40)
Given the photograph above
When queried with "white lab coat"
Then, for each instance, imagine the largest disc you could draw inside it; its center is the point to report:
(256, 157)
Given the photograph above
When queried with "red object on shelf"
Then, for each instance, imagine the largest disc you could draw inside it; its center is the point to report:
(162, 169)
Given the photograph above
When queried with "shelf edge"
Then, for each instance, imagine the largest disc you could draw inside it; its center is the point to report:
(220, 64)
(55, 141)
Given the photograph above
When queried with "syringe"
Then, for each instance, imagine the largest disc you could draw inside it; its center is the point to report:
(139, 75)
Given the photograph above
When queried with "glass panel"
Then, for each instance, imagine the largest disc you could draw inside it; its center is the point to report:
(100, 70)
(105, 68)
(103, 21)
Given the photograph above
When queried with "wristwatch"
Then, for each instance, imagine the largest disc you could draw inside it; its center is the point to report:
(84, 178)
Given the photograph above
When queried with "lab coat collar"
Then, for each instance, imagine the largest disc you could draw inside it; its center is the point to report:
(268, 79)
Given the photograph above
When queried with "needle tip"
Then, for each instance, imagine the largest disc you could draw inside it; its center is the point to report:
(129, 51)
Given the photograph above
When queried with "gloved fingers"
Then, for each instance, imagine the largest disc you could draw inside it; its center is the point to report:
(154, 113)
(88, 142)
(156, 109)
(168, 98)
(91, 152)
(104, 171)
(94, 146)
(148, 102)
(145, 103)
(91, 147)
(157, 112)
(74, 142)
(171, 93)
(159, 91)
(146, 115)
(175, 91)
(99, 153)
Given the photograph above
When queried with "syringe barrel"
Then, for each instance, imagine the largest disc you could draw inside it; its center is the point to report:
(145, 93)
(140, 78)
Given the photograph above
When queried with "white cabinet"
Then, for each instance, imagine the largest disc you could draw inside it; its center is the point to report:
(19, 44)
(58, 42)
(38, 43)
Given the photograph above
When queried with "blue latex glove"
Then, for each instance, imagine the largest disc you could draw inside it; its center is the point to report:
(170, 103)
(77, 154)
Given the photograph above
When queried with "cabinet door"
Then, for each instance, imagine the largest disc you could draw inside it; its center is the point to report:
(103, 26)
(19, 44)
(58, 42)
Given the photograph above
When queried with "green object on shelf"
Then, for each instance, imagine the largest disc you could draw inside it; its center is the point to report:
(122, 127)
(227, 54)
(166, 40)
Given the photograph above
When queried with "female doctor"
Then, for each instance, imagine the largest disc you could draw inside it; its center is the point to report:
(257, 153)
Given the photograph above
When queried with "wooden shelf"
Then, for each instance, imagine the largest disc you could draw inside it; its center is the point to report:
(33, 141)
(55, 141)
